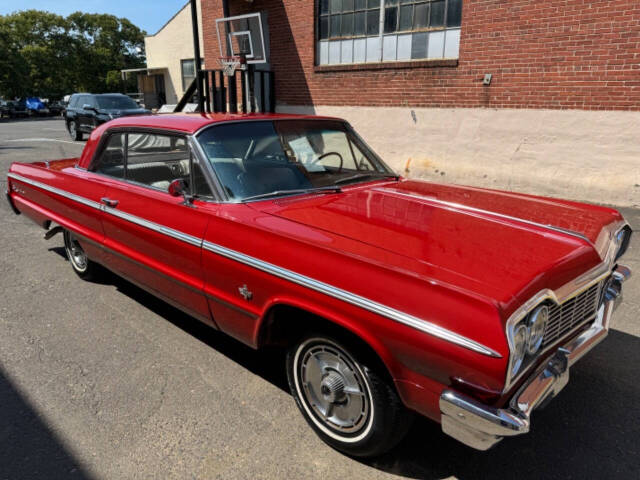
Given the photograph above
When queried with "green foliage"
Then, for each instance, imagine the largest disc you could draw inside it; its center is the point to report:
(46, 55)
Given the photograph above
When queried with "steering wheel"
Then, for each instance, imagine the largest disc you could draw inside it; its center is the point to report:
(326, 155)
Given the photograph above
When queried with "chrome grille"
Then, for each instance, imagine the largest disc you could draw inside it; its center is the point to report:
(572, 314)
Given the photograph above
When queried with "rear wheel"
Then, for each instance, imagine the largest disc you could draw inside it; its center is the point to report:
(84, 268)
(344, 398)
(75, 134)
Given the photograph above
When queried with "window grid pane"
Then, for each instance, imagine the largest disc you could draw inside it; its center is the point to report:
(454, 13)
(406, 18)
(437, 14)
(373, 22)
(334, 30)
(347, 24)
(324, 27)
(421, 16)
(359, 23)
(390, 19)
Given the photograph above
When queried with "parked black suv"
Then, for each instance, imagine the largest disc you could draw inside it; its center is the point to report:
(88, 110)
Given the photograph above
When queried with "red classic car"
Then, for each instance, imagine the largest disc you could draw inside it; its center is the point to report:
(392, 296)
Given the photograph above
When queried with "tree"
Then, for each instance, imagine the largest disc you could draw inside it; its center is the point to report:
(49, 56)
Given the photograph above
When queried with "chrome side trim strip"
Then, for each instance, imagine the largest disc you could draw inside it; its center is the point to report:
(324, 288)
(57, 191)
(116, 213)
(463, 208)
(352, 298)
(156, 227)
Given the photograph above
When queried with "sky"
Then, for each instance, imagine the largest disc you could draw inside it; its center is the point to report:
(149, 15)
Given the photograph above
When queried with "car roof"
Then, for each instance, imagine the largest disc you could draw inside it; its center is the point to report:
(192, 122)
(188, 123)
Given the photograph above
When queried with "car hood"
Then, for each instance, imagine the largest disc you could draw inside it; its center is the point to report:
(496, 244)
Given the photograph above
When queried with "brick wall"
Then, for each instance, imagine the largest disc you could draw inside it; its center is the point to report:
(571, 54)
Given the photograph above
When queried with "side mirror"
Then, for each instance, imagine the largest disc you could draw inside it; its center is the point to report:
(86, 106)
(179, 187)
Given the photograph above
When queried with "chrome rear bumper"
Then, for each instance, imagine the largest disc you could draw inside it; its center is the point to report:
(481, 427)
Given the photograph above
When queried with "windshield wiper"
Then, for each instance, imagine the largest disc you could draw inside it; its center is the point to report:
(358, 176)
(294, 191)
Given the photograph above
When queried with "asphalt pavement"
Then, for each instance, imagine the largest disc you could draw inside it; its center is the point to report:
(105, 381)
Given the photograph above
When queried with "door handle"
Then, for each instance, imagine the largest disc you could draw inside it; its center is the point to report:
(108, 202)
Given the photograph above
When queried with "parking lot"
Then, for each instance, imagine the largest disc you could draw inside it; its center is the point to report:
(105, 381)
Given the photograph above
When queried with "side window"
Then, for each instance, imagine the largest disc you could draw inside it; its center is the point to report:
(157, 160)
(84, 100)
(152, 160)
(112, 158)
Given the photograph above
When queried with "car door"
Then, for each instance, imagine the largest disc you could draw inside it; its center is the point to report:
(151, 237)
(88, 115)
(79, 115)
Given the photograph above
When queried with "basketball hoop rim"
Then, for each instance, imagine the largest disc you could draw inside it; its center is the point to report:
(232, 63)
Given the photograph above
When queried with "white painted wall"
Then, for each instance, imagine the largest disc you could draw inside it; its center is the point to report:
(574, 154)
(172, 43)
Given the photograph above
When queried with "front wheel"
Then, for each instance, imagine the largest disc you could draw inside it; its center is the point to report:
(351, 406)
(84, 268)
(75, 134)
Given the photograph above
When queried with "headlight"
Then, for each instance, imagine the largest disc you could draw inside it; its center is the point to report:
(623, 238)
(526, 336)
(520, 338)
(536, 324)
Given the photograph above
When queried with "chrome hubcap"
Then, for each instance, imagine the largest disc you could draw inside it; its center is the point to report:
(75, 252)
(334, 388)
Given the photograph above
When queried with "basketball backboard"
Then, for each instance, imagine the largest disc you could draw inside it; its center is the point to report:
(242, 35)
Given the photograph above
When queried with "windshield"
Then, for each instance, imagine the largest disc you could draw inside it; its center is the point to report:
(256, 158)
(116, 103)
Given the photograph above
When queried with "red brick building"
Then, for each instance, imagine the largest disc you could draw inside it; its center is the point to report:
(541, 54)
(420, 65)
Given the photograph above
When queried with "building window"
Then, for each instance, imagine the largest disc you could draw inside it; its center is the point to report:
(188, 68)
(188, 71)
(362, 31)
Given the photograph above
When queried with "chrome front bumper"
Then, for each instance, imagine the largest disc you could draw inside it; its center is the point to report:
(481, 427)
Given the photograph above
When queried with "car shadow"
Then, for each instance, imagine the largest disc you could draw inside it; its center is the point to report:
(590, 430)
(29, 448)
(267, 364)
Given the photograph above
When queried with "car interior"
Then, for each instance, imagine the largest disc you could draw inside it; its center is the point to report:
(255, 157)
(152, 160)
